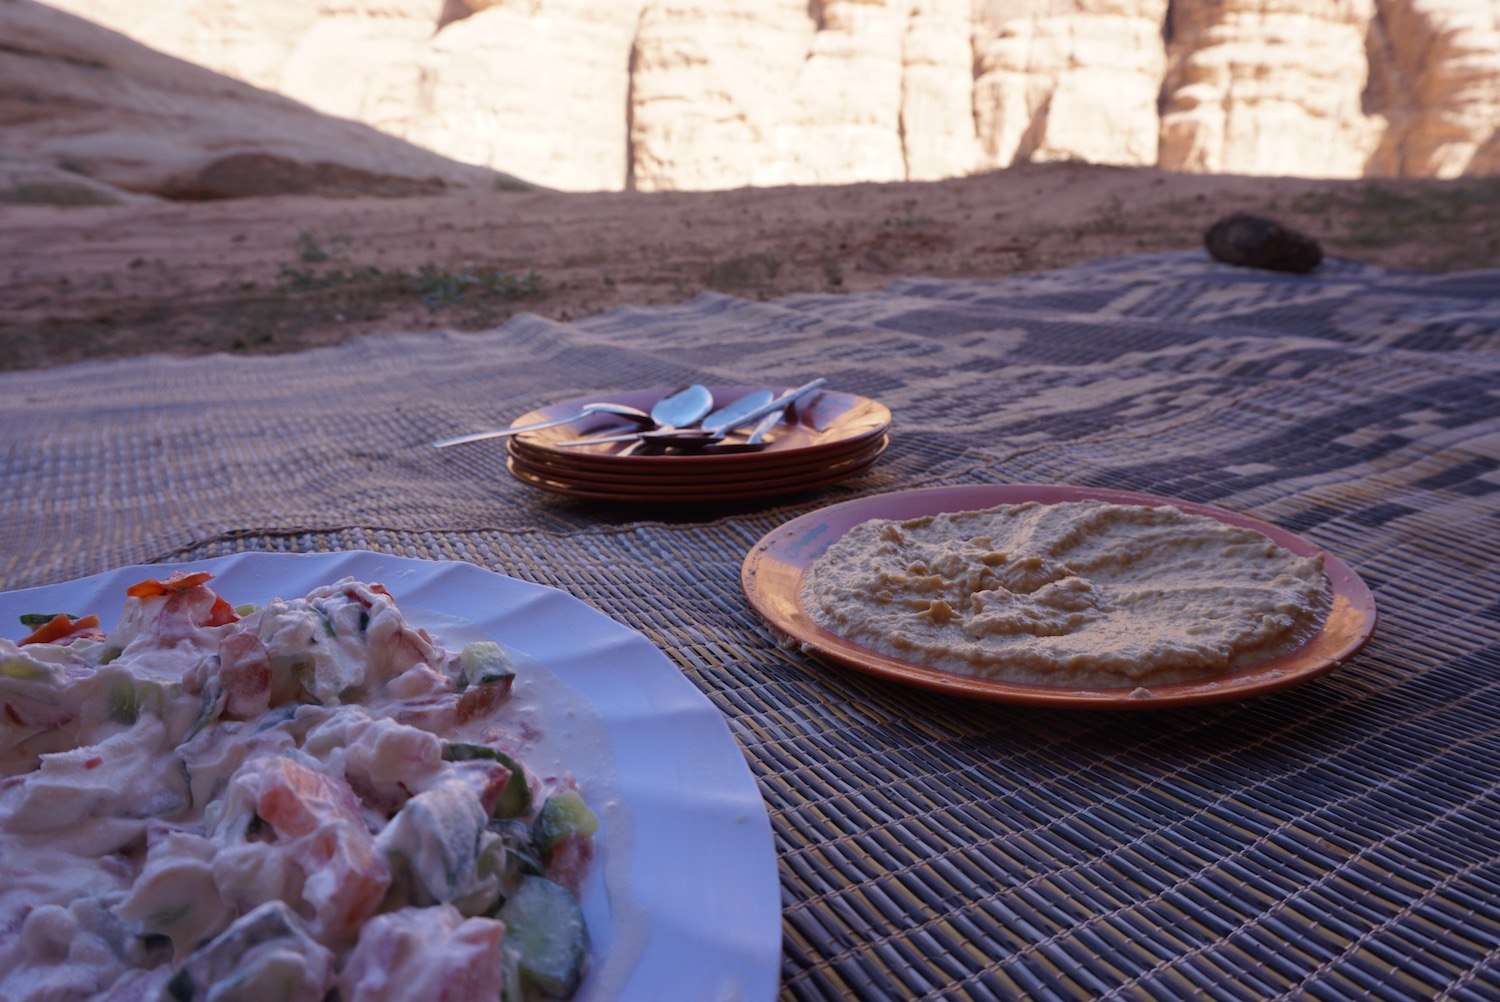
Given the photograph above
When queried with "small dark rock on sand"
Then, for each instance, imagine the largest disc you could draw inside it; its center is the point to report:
(1257, 242)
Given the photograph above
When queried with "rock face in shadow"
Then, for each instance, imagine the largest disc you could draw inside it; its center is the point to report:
(660, 94)
(91, 117)
(245, 175)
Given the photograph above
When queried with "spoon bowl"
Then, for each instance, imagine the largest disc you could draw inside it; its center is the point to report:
(695, 437)
(730, 415)
(675, 412)
(682, 409)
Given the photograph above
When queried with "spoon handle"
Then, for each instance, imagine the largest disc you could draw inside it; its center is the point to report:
(480, 436)
(731, 416)
(768, 422)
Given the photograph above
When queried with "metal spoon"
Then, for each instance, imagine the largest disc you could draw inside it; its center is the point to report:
(768, 422)
(699, 436)
(633, 413)
(682, 409)
(753, 442)
(676, 412)
(732, 415)
(784, 401)
(673, 416)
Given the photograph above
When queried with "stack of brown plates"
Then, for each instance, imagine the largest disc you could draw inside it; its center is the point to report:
(827, 436)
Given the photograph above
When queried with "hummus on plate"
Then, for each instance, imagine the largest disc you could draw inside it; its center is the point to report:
(1080, 594)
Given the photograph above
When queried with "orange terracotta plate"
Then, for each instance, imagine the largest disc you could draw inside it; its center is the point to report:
(669, 495)
(748, 467)
(773, 572)
(719, 478)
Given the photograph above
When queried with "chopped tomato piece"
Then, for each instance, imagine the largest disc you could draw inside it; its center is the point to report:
(184, 603)
(480, 701)
(245, 674)
(181, 581)
(222, 613)
(331, 843)
(58, 627)
(568, 862)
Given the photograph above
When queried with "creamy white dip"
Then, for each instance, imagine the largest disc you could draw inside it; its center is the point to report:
(1076, 594)
(312, 797)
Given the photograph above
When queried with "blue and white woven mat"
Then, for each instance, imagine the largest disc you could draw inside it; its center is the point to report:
(1337, 840)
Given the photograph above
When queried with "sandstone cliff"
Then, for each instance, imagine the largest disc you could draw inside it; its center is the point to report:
(1441, 87)
(88, 116)
(1269, 87)
(656, 94)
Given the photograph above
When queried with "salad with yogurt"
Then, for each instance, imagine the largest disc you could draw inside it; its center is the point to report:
(307, 800)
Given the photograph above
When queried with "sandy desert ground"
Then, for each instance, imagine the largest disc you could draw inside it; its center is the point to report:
(287, 272)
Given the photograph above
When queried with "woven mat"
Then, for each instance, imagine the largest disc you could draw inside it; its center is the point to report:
(1336, 840)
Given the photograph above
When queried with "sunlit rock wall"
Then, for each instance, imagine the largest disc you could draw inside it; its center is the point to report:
(1060, 79)
(1269, 87)
(1440, 76)
(654, 94)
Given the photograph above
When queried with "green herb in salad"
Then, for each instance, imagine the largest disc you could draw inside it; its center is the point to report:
(515, 799)
(31, 620)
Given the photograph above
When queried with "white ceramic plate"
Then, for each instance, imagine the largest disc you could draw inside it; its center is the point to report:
(699, 870)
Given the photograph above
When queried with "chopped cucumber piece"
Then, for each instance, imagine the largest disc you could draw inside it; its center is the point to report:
(562, 815)
(32, 620)
(515, 799)
(124, 704)
(266, 953)
(463, 751)
(211, 705)
(24, 669)
(483, 662)
(327, 621)
(512, 990)
(544, 934)
(521, 856)
(438, 835)
(128, 696)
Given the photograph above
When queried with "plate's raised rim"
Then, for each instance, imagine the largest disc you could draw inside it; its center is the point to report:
(704, 840)
(773, 570)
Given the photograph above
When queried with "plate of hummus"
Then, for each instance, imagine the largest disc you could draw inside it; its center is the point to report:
(1059, 596)
(358, 775)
